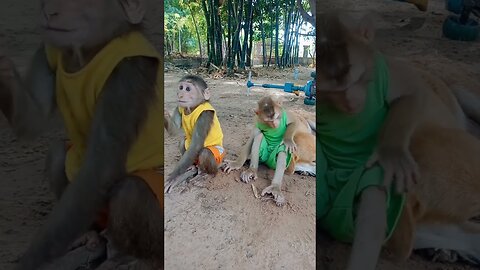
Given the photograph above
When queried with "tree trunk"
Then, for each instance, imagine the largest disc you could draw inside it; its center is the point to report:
(229, 37)
(236, 38)
(264, 53)
(277, 19)
(307, 17)
(196, 30)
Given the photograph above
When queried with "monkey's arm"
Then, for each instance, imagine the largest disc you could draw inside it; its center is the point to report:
(401, 121)
(200, 132)
(28, 103)
(120, 112)
(292, 124)
(173, 123)
(405, 112)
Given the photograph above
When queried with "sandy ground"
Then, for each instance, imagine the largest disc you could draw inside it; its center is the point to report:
(221, 225)
(25, 200)
(401, 33)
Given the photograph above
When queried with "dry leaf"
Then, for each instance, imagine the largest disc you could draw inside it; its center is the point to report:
(255, 192)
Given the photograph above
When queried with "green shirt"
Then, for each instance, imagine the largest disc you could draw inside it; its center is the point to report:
(344, 145)
(272, 142)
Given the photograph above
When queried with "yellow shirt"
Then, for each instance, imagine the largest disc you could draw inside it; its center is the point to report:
(77, 94)
(214, 136)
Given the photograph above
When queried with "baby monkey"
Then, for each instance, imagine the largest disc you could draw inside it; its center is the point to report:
(203, 144)
(381, 122)
(282, 140)
(95, 67)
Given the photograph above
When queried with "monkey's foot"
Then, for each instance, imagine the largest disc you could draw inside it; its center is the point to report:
(230, 165)
(276, 191)
(248, 175)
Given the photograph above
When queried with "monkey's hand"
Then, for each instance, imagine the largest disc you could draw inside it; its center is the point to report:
(290, 146)
(276, 191)
(232, 166)
(173, 180)
(248, 175)
(398, 165)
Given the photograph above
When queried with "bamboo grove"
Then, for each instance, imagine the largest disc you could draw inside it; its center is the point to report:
(223, 32)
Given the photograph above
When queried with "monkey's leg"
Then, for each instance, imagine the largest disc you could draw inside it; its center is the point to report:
(136, 221)
(206, 162)
(370, 230)
(207, 165)
(244, 154)
(275, 187)
(251, 173)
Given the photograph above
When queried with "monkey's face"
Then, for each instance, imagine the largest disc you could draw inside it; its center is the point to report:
(81, 23)
(347, 91)
(189, 95)
(271, 120)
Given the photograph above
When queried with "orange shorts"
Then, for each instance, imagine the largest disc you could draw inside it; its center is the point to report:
(153, 178)
(218, 153)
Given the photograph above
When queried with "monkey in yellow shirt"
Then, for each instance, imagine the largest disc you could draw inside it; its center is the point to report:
(203, 143)
(104, 78)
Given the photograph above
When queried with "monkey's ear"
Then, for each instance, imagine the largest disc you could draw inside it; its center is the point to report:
(256, 111)
(134, 10)
(366, 28)
(206, 94)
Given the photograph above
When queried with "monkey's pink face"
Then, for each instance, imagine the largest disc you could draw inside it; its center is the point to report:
(79, 23)
(347, 93)
(360, 61)
(188, 95)
(273, 121)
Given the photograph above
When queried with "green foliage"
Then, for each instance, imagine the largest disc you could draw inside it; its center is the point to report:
(179, 20)
(186, 29)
